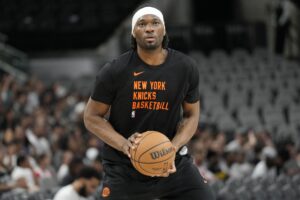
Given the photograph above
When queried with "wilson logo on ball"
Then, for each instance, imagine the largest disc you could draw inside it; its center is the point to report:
(161, 153)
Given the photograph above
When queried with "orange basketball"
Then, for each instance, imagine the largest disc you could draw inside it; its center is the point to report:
(153, 155)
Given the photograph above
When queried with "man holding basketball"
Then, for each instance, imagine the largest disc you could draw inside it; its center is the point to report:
(147, 88)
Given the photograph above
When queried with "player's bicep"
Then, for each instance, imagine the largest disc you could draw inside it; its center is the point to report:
(191, 109)
(96, 108)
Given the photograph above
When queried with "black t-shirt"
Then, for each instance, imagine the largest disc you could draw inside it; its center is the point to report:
(144, 97)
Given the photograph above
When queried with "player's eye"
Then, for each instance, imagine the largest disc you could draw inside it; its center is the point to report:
(156, 23)
(141, 24)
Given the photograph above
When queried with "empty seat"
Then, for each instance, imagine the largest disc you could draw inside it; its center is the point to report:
(273, 116)
(260, 98)
(274, 192)
(237, 99)
(294, 114)
(243, 193)
(225, 194)
(15, 195)
(258, 193)
(212, 101)
(249, 117)
(289, 193)
(227, 123)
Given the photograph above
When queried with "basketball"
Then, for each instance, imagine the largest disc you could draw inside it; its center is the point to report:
(153, 155)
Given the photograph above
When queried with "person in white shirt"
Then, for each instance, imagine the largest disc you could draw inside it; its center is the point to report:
(23, 170)
(266, 167)
(83, 186)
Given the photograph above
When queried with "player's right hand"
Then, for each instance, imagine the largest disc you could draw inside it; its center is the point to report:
(131, 143)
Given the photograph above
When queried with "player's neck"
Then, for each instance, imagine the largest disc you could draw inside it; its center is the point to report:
(153, 57)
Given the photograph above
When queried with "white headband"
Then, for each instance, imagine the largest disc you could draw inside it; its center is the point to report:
(146, 11)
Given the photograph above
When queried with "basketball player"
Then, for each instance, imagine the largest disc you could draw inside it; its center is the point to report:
(146, 88)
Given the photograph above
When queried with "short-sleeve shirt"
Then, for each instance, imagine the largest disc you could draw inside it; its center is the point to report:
(68, 192)
(144, 97)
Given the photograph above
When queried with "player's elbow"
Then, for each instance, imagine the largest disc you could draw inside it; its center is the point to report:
(87, 118)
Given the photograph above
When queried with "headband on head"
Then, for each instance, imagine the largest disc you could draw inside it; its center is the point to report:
(146, 11)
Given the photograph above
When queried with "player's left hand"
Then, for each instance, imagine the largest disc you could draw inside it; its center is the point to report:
(171, 170)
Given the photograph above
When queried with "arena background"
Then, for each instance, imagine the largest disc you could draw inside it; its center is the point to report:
(248, 141)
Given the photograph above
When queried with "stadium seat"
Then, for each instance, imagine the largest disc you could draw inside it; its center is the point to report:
(248, 117)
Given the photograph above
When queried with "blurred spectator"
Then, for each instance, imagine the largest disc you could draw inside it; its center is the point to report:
(267, 166)
(288, 29)
(199, 153)
(10, 158)
(74, 167)
(19, 105)
(37, 137)
(43, 168)
(8, 119)
(63, 169)
(218, 143)
(20, 137)
(35, 88)
(289, 158)
(24, 170)
(216, 166)
(244, 140)
(6, 182)
(240, 167)
(6, 92)
(84, 185)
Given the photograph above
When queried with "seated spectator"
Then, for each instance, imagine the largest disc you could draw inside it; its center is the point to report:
(10, 158)
(83, 186)
(291, 166)
(267, 166)
(43, 169)
(38, 136)
(74, 167)
(23, 170)
(6, 183)
(240, 168)
(199, 154)
(63, 169)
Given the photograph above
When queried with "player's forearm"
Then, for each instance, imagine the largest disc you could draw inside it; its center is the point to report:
(104, 130)
(186, 129)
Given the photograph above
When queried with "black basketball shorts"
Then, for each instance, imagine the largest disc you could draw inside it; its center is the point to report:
(122, 182)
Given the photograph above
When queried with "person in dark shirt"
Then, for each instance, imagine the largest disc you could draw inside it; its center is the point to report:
(150, 87)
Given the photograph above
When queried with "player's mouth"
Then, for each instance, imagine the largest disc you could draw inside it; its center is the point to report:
(150, 39)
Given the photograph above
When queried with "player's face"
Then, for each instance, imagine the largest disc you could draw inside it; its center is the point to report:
(149, 32)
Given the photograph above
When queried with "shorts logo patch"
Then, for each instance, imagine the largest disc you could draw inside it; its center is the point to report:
(105, 192)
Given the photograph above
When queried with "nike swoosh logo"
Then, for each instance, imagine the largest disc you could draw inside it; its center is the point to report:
(137, 73)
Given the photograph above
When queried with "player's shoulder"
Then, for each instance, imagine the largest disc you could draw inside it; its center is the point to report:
(181, 57)
(123, 58)
(117, 64)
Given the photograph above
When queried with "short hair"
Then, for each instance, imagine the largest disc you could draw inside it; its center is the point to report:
(41, 157)
(89, 172)
(21, 159)
(165, 42)
(76, 160)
